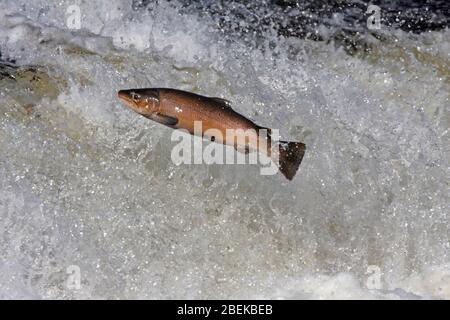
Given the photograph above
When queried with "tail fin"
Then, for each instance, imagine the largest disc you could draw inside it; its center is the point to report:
(290, 157)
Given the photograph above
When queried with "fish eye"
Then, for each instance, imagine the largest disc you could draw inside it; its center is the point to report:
(135, 96)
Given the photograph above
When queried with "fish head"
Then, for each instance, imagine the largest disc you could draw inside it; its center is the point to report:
(142, 101)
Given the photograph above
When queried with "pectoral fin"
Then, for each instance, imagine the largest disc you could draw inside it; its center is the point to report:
(163, 119)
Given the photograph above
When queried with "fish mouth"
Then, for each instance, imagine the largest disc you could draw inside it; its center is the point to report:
(124, 95)
(127, 99)
(141, 101)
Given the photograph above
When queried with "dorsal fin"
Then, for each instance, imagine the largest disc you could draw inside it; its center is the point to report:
(223, 102)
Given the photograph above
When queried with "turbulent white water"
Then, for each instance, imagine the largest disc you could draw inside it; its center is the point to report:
(86, 182)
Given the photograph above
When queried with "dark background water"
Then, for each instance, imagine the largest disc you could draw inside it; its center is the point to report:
(344, 22)
(299, 18)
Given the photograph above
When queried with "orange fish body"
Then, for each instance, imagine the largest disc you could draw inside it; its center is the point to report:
(180, 110)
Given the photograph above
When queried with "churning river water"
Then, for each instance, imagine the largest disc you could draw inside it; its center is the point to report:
(91, 205)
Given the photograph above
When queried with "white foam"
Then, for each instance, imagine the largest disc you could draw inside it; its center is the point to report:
(86, 182)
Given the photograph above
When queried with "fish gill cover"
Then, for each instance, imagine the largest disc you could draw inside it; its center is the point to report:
(92, 206)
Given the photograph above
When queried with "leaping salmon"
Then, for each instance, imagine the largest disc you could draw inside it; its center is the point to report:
(179, 109)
